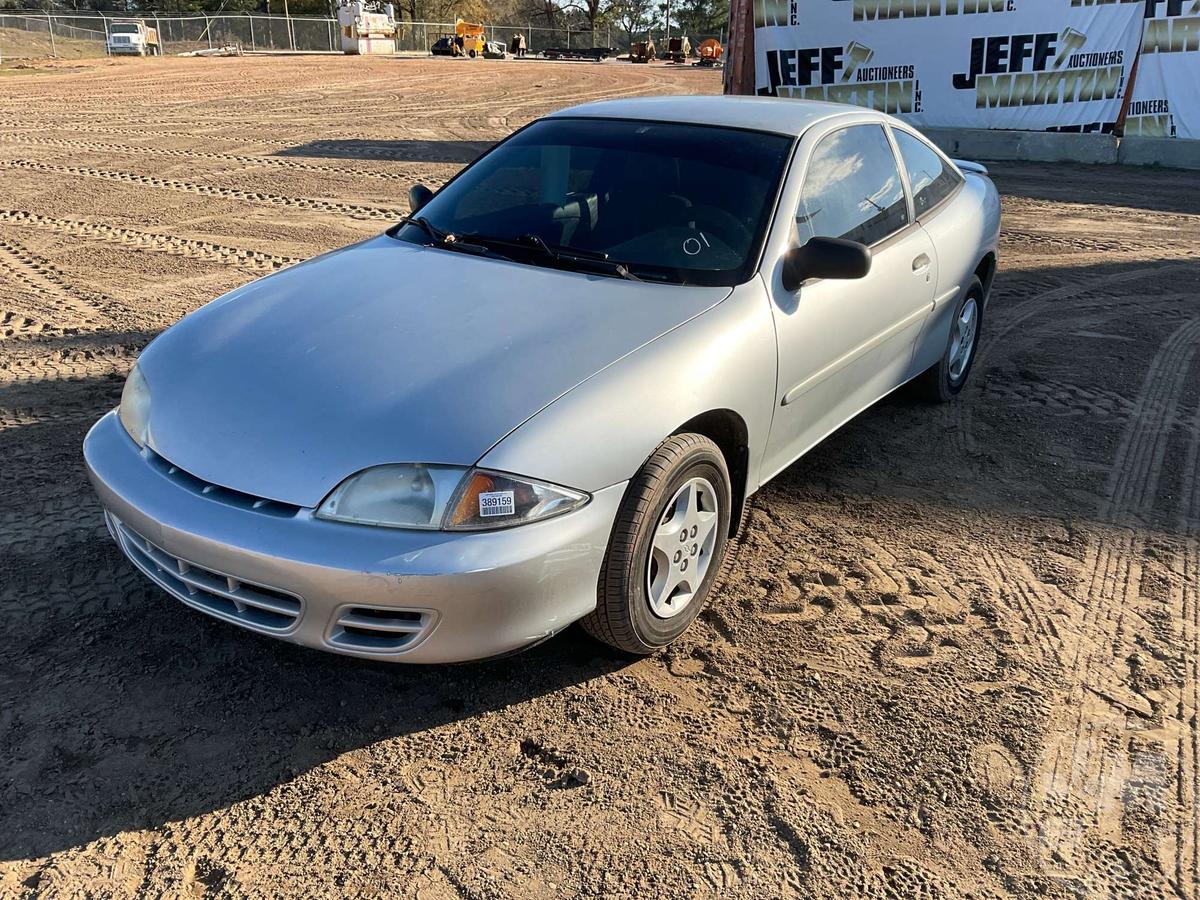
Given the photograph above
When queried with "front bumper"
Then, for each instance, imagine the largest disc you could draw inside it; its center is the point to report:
(382, 593)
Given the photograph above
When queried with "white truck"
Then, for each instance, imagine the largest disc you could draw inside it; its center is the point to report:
(133, 36)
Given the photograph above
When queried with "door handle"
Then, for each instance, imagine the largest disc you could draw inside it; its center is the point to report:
(921, 263)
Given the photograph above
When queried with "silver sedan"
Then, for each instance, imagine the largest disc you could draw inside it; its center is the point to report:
(545, 396)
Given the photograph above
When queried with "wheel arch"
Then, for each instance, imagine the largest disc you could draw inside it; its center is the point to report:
(729, 432)
(986, 271)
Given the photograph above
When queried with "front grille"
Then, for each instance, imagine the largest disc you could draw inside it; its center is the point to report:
(252, 605)
(379, 629)
(228, 496)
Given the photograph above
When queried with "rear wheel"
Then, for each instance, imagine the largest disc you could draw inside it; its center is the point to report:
(666, 549)
(943, 382)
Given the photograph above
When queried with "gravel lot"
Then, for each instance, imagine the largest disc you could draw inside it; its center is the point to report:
(956, 655)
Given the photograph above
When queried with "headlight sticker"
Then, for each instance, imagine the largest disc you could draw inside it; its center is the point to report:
(497, 503)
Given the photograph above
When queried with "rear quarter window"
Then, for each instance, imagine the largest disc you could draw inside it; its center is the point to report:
(931, 178)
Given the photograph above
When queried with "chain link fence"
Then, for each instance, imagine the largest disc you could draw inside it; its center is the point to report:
(35, 35)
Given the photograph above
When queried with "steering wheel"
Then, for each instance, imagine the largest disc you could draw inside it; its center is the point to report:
(723, 224)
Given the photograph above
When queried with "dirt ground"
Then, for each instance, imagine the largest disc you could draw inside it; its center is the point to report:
(957, 654)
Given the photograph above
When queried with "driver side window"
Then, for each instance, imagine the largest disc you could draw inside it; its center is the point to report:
(852, 189)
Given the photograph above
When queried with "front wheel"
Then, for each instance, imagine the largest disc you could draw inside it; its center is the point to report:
(943, 382)
(667, 546)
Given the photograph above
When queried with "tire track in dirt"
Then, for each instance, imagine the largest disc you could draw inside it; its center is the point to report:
(38, 280)
(957, 417)
(1059, 208)
(174, 153)
(351, 210)
(1060, 398)
(1024, 594)
(1055, 242)
(1082, 776)
(1188, 709)
(1013, 317)
(253, 260)
(68, 363)
(24, 125)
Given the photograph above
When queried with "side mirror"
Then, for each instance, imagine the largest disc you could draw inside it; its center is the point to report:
(418, 196)
(824, 257)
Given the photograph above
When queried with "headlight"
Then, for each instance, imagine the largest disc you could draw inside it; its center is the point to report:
(135, 407)
(444, 497)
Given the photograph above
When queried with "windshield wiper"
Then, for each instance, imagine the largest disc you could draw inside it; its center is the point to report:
(577, 256)
(425, 225)
(449, 241)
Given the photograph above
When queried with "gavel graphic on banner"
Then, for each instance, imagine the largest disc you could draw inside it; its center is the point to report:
(1070, 41)
(856, 55)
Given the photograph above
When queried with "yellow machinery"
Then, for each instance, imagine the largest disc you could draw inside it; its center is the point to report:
(469, 38)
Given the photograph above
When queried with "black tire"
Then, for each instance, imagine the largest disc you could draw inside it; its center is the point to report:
(936, 384)
(623, 617)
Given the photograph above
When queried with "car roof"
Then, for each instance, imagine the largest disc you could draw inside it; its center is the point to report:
(771, 114)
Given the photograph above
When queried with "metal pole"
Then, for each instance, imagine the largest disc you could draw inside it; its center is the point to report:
(288, 17)
(50, 28)
(251, 18)
(107, 52)
(158, 32)
(208, 31)
(329, 23)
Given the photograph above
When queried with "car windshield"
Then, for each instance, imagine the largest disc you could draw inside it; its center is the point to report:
(687, 204)
(123, 28)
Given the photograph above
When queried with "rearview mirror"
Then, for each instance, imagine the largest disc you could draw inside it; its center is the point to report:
(418, 196)
(824, 257)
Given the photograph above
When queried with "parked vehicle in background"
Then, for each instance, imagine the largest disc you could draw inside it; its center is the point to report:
(642, 51)
(133, 36)
(546, 395)
(594, 53)
(467, 40)
(679, 49)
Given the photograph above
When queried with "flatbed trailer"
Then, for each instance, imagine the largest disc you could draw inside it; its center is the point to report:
(594, 53)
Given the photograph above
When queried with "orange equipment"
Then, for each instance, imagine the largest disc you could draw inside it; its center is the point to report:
(710, 52)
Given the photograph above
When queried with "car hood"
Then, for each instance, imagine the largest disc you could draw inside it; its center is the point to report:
(385, 352)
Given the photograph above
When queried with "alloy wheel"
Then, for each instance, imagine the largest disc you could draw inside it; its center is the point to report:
(681, 548)
(962, 339)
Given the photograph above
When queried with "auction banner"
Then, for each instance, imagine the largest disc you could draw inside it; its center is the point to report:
(1059, 65)
(1166, 89)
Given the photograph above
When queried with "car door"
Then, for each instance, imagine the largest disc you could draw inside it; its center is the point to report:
(844, 344)
(935, 186)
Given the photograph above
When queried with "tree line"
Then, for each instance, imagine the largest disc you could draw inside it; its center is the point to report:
(633, 18)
